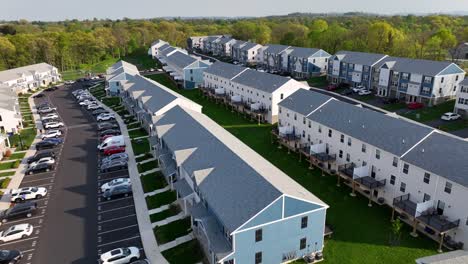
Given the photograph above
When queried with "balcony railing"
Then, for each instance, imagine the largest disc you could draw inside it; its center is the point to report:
(405, 204)
(370, 182)
(347, 169)
(441, 223)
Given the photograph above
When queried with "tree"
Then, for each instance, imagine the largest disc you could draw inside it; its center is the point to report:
(317, 28)
(7, 52)
(382, 37)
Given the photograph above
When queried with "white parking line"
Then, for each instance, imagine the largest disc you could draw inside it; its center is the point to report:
(115, 200)
(115, 219)
(24, 219)
(122, 240)
(19, 240)
(42, 179)
(110, 179)
(28, 250)
(117, 229)
(115, 209)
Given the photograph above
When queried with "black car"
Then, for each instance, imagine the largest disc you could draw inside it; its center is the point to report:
(46, 145)
(40, 155)
(99, 111)
(21, 210)
(50, 89)
(343, 85)
(38, 95)
(118, 191)
(113, 132)
(390, 100)
(106, 126)
(10, 256)
(42, 167)
(42, 106)
(347, 92)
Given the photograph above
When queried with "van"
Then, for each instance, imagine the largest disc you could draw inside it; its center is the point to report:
(115, 141)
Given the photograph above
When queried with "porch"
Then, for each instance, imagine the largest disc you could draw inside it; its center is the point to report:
(286, 136)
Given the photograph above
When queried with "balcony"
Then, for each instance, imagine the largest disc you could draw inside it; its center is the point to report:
(347, 170)
(288, 133)
(361, 176)
(320, 153)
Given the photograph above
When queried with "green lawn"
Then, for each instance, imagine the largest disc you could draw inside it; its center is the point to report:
(431, 113)
(111, 101)
(130, 120)
(8, 173)
(141, 147)
(16, 155)
(454, 125)
(171, 231)
(319, 82)
(153, 181)
(122, 112)
(394, 107)
(173, 210)
(4, 183)
(186, 253)
(145, 157)
(27, 137)
(73, 74)
(163, 79)
(8, 165)
(147, 166)
(136, 125)
(361, 234)
(141, 59)
(160, 199)
(137, 133)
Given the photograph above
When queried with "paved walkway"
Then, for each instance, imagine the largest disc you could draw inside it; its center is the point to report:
(159, 209)
(150, 245)
(150, 171)
(178, 241)
(169, 220)
(165, 189)
(147, 160)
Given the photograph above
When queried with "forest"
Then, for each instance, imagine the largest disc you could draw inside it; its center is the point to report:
(73, 44)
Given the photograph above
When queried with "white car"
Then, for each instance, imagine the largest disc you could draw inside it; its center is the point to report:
(358, 88)
(115, 182)
(48, 160)
(28, 193)
(53, 125)
(105, 117)
(364, 92)
(120, 256)
(46, 110)
(52, 134)
(16, 232)
(93, 107)
(87, 102)
(50, 116)
(450, 116)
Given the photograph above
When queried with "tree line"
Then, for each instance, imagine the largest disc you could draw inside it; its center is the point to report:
(71, 44)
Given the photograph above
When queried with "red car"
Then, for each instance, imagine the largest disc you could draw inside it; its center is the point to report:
(113, 150)
(415, 105)
(332, 87)
(106, 136)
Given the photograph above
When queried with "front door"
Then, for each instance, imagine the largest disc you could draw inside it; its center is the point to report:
(440, 207)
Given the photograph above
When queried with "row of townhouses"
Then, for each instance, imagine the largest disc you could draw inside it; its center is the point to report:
(10, 114)
(187, 70)
(410, 80)
(418, 171)
(257, 91)
(29, 77)
(117, 73)
(461, 102)
(242, 208)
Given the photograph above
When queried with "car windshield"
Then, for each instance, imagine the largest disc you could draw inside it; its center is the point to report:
(4, 253)
(115, 252)
(126, 251)
(34, 189)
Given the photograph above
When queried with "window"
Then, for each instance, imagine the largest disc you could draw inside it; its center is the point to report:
(258, 257)
(320, 129)
(303, 120)
(303, 243)
(448, 187)
(310, 124)
(466, 221)
(427, 177)
(258, 235)
(280, 110)
(395, 162)
(342, 138)
(191, 71)
(405, 168)
(442, 80)
(456, 78)
(340, 154)
(348, 157)
(349, 141)
(295, 116)
(363, 148)
(1, 118)
(392, 179)
(426, 197)
(281, 96)
(304, 222)
(330, 133)
(303, 133)
(377, 153)
(117, 84)
(403, 187)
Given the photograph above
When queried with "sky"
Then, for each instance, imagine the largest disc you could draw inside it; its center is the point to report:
(54, 10)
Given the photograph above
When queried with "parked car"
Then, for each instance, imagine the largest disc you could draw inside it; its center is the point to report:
(358, 88)
(105, 137)
(107, 125)
(450, 116)
(53, 125)
(332, 87)
(53, 140)
(10, 256)
(54, 133)
(86, 102)
(117, 192)
(39, 95)
(50, 116)
(20, 210)
(40, 155)
(115, 182)
(44, 167)
(94, 107)
(142, 261)
(47, 160)
(27, 193)
(414, 105)
(45, 144)
(347, 92)
(364, 92)
(105, 117)
(111, 132)
(343, 85)
(50, 89)
(113, 150)
(46, 110)
(120, 255)
(69, 82)
(16, 232)
(390, 100)
(117, 156)
(115, 141)
(99, 111)
(113, 166)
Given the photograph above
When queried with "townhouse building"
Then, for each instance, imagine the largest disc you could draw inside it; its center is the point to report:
(153, 51)
(236, 50)
(275, 57)
(242, 208)
(461, 102)
(117, 73)
(306, 62)
(10, 114)
(353, 68)
(224, 46)
(209, 43)
(253, 89)
(413, 80)
(185, 69)
(30, 77)
(249, 53)
(418, 171)
(195, 43)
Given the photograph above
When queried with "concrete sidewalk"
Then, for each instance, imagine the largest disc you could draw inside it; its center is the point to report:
(152, 250)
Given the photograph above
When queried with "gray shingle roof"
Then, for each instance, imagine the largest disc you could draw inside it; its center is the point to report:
(225, 40)
(275, 48)
(159, 97)
(443, 155)
(168, 50)
(303, 52)
(165, 46)
(362, 58)
(382, 131)
(180, 59)
(224, 70)
(453, 257)
(304, 101)
(239, 183)
(13, 74)
(464, 82)
(248, 46)
(239, 44)
(426, 67)
(261, 80)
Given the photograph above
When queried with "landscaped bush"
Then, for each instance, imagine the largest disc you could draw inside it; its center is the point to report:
(171, 231)
(142, 167)
(7, 153)
(153, 181)
(17, 163)
(4, 183)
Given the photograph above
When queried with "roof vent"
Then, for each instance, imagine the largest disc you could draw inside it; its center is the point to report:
(422, 150)
(403, 141)
(363, 126)
(349, 121)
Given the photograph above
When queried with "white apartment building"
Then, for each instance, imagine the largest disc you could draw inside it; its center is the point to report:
(419, 171)
(153, 50)
(117, 73)
(10, 115)
(461, 103)
(30, 77)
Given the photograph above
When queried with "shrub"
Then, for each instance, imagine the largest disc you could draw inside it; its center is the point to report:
(8, 153)
(17, 163)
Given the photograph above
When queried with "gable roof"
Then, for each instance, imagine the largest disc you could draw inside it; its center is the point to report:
(168, 50)
(362, 58)
(180, 59)
(303, 52)
(119, 65)
(425, 67)
(304, 101)
(261, 80)
(382, 131)
(225, 40)
(464, 82)
(13, 74)
(239, 44)
(275, 48)
(241, 182)
(249, 45)
(225, 70)
(443, 155)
